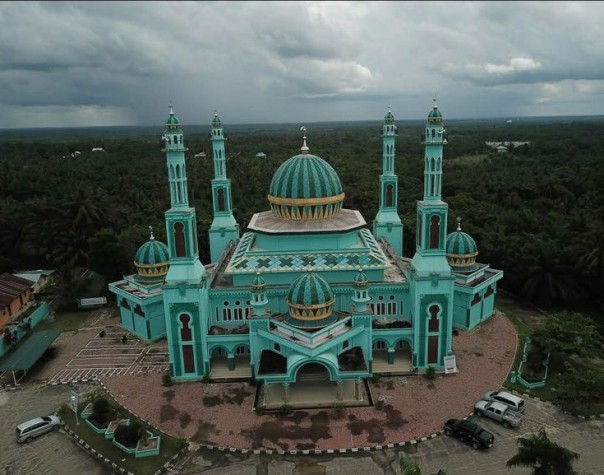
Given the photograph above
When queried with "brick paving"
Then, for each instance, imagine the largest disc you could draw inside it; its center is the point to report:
(221, 414)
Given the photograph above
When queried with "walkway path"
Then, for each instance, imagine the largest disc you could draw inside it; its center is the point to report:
(221, 414)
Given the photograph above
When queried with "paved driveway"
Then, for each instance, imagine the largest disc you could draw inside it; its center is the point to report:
(583, 437)
(51, 454)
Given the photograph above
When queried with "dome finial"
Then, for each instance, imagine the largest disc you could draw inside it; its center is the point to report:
(458, 223)
(435, 106)
(304, 148)
(151, 231)
(170, 108)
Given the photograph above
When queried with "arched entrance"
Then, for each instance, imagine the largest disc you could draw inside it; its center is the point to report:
(392, 360)
(312, 372)
(234, 366)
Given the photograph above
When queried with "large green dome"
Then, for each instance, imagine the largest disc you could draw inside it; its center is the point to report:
(310, 300)
(152, 259)
(461, 251)
(305, 187)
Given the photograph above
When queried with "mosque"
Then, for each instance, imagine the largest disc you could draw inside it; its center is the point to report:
(309, 299)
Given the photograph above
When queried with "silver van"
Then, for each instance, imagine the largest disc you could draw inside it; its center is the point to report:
(509, 399)
(40, 425)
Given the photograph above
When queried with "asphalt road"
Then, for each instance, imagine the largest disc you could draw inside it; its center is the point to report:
(53, 453)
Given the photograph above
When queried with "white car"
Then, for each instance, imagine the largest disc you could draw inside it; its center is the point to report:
(509, 399)
(40, 425)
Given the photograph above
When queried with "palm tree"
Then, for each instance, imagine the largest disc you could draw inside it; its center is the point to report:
(543, 456)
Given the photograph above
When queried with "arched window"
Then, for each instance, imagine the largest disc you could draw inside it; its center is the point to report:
(389, 194)
(433, 322)
(220, 193)
(176, 139)
(179, 239)
(434, 232)
(433, 133)
(185, 331)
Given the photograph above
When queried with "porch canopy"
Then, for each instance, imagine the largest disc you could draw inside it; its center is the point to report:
(29, 352)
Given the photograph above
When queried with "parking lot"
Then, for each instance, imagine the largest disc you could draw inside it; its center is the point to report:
(109, 356)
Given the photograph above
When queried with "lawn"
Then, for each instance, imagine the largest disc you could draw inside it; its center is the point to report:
(519, 316)
(65, 321)
(141, 466)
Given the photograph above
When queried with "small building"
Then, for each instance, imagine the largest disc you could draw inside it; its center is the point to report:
(261, 155)
(90, 303)
(15, 293)
(501, 149)
(200, 155)
(98, 149)
(39, 278)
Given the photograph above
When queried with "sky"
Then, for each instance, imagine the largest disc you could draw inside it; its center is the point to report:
(69, 64)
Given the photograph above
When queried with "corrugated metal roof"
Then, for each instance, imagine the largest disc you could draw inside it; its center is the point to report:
(30, 351)
(11, 287)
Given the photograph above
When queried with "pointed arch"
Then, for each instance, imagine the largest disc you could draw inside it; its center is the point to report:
(389, 195)
(179, 239)
(434, 231)
(221, 200)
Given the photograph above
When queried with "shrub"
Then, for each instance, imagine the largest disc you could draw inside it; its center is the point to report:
(129, 435)
(285, 409)
(430, 373)
(166, 379)
(101, 411)
(379, 404)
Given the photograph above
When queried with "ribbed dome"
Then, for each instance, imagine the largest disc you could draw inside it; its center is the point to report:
(216, 122)
(461, 251)
(435, 115)
(360, 280)
(258, 283)
(305, 187)
(389, 118)
(310, 300)
(172, 122)
(152, 260)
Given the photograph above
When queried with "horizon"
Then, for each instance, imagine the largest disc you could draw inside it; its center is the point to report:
(298, 123)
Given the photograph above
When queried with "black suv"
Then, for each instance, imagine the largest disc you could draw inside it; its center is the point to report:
(470, 433)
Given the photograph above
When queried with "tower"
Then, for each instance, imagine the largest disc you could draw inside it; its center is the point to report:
(224, 227)
(185, 294)
(387, 222)
(430, 279)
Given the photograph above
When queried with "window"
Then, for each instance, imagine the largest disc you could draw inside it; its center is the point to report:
(185, 331)
(179, 239)
(220, 194)
(434, 232)
(433, 322)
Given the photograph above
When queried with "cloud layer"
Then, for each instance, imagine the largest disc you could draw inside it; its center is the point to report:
(120, 63)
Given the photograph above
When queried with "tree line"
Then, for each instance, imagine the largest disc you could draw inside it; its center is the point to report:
(536, 212)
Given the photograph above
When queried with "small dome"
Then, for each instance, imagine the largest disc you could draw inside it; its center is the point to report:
(389, 118)
(310, 300)
(461, 251)
(435, 116)
(172, 122)
(216, 122)
(152, 260)
(360, 280)
(305, 187)
(258, 283)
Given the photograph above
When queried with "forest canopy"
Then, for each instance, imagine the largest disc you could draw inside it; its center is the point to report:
(536, 212)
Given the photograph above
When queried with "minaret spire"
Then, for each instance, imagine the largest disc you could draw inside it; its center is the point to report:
(387, 222)
(224, 228)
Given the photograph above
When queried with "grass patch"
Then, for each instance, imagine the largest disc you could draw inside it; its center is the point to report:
(65, 322)
(143, 466)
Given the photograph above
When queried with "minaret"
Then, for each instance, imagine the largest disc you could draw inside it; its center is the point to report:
(432, 211)
(387, 222)
(224, 227)
(185, 290)
(431, 284)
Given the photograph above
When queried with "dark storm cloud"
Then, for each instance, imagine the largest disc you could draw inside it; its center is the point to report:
(122, 62)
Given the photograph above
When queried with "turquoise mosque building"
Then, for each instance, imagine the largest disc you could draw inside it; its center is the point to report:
(309, 296)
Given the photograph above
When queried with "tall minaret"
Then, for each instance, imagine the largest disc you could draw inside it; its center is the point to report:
(387, 222)
(224, 227)
(185, 290)
(431, 284)
(432, 211)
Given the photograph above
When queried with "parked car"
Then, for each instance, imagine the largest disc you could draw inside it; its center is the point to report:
(509, 399)
(499, 412)
(35, 427)
(470, 433)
